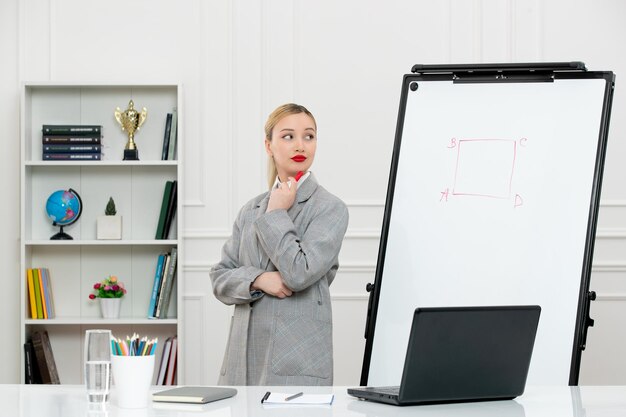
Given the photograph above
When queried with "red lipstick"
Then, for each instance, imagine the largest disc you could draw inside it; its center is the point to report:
(299, 158)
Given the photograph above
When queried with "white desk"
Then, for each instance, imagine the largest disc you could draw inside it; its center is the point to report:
(70, 401)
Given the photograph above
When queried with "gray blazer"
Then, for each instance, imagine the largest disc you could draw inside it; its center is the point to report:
(286, 341)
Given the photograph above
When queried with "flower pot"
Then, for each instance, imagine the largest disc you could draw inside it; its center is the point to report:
(109, 227)
(110, 307)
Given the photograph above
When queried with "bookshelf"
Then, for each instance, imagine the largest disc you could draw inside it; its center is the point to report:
(137, 188)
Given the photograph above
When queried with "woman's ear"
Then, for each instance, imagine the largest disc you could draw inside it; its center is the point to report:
(267, 148)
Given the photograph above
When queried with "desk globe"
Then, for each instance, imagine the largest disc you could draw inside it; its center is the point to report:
(63, 207)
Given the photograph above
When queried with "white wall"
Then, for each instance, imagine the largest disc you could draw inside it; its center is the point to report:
(238, 59)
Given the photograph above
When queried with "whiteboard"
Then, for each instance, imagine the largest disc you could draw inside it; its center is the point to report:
(490, 203)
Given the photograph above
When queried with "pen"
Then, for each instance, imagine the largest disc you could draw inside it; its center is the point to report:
(265, 397)
(294, 396)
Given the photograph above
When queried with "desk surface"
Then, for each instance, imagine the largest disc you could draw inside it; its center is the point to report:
(70, 401)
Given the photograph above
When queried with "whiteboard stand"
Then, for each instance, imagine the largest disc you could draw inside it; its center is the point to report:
(493, 198)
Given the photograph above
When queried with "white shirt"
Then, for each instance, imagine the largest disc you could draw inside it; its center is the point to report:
(300, 181)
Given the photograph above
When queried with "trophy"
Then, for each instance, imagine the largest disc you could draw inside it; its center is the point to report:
(131, 120)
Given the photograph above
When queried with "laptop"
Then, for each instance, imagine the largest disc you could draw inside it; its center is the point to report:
(461, 354)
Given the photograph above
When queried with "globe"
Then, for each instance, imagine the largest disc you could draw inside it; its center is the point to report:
(63, 207)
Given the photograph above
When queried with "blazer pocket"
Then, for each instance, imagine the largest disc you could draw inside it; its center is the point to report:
(230, 336)
(302, 346)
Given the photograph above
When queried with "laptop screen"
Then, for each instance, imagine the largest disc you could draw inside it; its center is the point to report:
(469, 353)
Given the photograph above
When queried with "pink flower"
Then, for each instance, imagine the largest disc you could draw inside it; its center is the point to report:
(107, 288)
(97, 286)
(92, 296)
(115, 287)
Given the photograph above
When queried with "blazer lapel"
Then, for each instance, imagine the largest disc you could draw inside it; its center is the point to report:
(304, 193)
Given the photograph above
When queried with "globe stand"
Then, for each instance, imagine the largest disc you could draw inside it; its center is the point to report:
(61, 235)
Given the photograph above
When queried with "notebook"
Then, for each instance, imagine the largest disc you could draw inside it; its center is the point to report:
(196, 395)
(458, 354)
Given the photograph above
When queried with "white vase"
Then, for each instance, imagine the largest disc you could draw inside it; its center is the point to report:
(110, 307)
(109, 227)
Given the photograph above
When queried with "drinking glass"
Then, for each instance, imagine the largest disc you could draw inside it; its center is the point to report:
(98, 365)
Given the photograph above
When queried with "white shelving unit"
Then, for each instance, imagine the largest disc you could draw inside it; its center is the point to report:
(137, 188)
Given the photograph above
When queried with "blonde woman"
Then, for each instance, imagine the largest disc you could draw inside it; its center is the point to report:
(277, 266)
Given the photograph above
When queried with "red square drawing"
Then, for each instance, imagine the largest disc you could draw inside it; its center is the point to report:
(484, 167)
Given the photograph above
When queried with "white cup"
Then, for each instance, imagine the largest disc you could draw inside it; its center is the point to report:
(132, 377)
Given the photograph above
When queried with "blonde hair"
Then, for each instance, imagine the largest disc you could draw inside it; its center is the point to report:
(276, 116)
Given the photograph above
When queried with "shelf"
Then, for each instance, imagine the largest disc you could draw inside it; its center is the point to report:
(96, 320)
(100, 163)
(137, 188)
(76, 242)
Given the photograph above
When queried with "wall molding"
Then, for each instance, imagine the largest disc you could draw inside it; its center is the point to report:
(609, 266)
(618, 296)
(370, 268)
(194, 300)
(611, 233)
(222, 234)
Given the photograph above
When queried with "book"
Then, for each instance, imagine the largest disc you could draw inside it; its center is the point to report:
(166, 137)
(44, 273)
(45, 358)
(163, 212)
(170, 378)
(194, 394)
(164, 360)
(72, 148)
(30, 362)
(75, 130)
(166, 287)
(159, 297)
(31, 293)
(28, 365)
(171, 210)
(66, 140)
(158, 274)
(171, 151)
(44, 304)
(36, 288)
(71, 156)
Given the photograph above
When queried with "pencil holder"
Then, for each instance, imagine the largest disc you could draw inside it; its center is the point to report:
(132, 377)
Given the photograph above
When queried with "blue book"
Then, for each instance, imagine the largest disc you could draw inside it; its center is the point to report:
(157, 284)
(47, 291)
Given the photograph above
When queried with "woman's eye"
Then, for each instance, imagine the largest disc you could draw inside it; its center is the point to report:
(309, 137)
(288, 137)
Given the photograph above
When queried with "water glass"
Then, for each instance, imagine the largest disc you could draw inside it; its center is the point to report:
(98, 365)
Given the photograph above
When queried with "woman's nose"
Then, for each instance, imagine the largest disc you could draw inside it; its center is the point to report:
(299, 142)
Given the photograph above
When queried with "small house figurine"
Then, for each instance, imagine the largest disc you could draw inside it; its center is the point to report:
(109, 226)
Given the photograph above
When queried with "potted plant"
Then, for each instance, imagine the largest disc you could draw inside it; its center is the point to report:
(109, 226)
(110, 292)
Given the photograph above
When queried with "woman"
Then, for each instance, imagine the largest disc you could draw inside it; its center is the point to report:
(278, 264)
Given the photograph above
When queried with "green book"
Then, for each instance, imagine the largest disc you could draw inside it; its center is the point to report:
(163, 214)
(38, 301)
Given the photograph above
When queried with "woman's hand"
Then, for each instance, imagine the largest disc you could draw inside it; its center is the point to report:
(271, 283)
(283, 196)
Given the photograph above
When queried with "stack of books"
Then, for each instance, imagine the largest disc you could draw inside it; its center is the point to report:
(163, 283)
(72, 142)
(167, 368)
(39, 364)
(39, 293)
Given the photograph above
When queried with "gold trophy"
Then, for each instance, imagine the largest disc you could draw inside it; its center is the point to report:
(131, 120)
